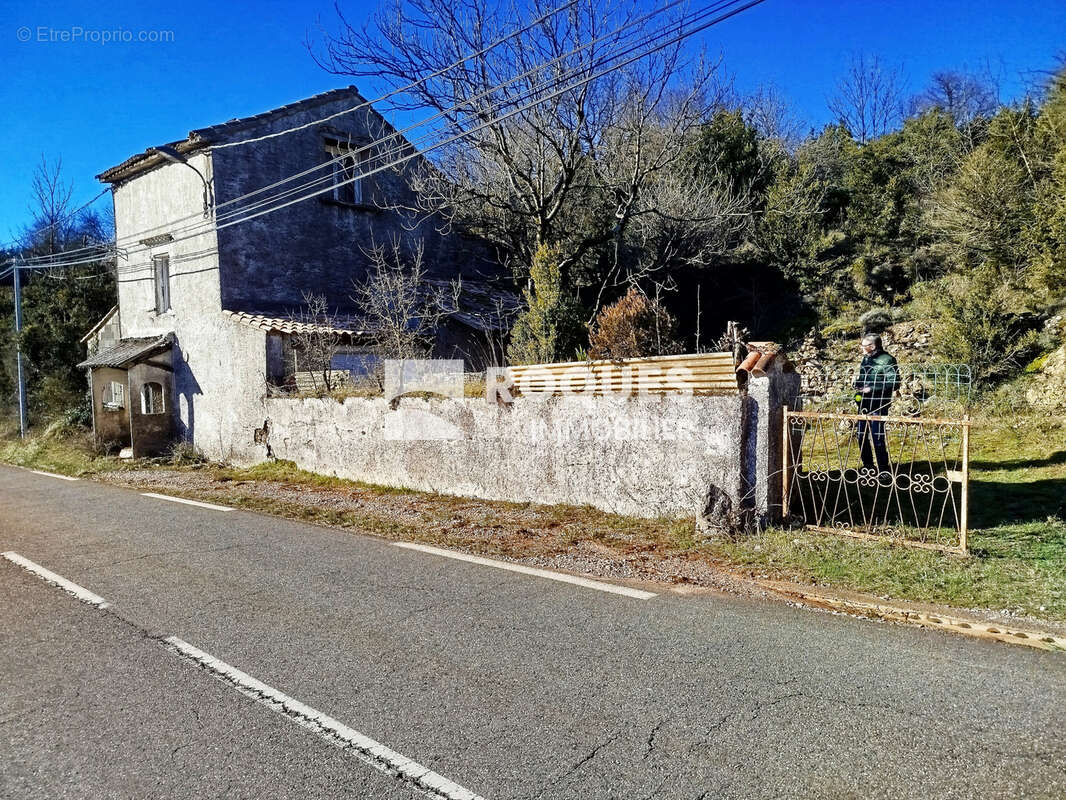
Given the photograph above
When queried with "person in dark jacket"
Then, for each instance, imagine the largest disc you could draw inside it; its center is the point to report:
(875, 384)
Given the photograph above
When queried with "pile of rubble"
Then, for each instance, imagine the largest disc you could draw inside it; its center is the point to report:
(1056, 326)
(819, 374)
(1048, 388)
(828, 368)
(910, 341)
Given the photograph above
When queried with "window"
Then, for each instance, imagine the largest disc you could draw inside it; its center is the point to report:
(347, 163)
(114, 396)
(161, 273)
(152, 398)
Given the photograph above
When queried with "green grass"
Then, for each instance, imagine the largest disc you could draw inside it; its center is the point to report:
(1017, 542)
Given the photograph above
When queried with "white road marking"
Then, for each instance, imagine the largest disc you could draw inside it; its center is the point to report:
(562, 577)
(53, 475)
(373, 753)
(79, 592)
(211, 506)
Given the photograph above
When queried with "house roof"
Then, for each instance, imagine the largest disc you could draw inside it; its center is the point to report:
(482, 305)
(201, 138)
(128, 352)
(344, 325)
(96, 328)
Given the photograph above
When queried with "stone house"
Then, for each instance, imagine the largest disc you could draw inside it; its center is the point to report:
(210, 290)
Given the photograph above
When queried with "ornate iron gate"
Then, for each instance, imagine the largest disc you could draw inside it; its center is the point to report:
(899, 478)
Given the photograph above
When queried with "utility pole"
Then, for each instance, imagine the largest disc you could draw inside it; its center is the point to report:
(23, 424)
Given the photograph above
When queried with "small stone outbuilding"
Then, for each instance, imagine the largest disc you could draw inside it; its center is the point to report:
(132, 387)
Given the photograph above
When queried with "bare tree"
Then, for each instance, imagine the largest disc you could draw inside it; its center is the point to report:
(966, 97)
(50, 204)
(316, 342)
(666, 212)
(681, 220)
(402, 310)
(542, 175)
(773, 116)
(868, 99)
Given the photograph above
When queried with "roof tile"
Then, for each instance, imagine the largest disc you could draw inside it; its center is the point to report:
(128, 351)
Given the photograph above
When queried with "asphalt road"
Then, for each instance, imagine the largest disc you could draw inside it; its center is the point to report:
(511, 686)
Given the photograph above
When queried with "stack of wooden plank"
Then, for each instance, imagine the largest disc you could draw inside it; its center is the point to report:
(701, 373)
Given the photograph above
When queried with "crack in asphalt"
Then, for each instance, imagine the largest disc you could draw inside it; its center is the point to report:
(577, 765)
(651, 737)
(163, 553)
(424, 781)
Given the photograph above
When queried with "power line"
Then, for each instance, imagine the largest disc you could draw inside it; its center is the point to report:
(403, 144)
(369, 103)
(410, 85)
(464, 134)
(228, 220)
(16, 269)
(67, 218)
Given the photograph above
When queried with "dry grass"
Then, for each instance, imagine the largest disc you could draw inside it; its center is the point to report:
(1018, 560)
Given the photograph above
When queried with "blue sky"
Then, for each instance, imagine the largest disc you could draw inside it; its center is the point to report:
(93, 103)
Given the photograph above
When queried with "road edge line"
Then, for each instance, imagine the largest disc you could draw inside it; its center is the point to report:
(186, 501)
(54, 475)
(55, 579)
(370, 751)
(562, 577)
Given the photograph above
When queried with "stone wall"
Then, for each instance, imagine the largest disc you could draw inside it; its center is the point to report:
(219, 365)
(320, 245)
(651, 456)
(111, 425)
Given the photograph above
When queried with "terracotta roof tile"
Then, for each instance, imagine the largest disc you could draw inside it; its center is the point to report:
(344, 325)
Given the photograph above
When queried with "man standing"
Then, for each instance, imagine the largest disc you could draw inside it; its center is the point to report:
(875, 384)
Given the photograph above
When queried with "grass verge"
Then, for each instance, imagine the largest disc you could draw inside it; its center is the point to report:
(1018, 541)
(1017, 560)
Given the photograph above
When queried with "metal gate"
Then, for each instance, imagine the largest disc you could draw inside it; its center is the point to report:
(900, 478)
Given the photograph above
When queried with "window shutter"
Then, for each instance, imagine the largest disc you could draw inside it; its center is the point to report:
(162, 283)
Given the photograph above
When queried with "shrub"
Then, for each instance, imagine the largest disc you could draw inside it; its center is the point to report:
(544, 331)
(977, 326)
(877, 320)
(55, 396)
(632, 327)
(80, 415)
(184, 453)
(878, 277)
